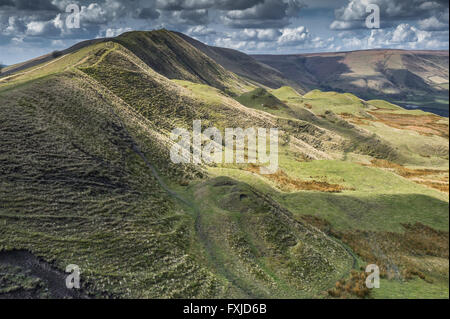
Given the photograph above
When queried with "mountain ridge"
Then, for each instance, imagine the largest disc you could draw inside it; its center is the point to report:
(243, 65)
(409, 85)
(86, 179)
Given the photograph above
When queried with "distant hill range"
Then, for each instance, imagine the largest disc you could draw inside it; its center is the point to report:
(413, 79)
(409, 78)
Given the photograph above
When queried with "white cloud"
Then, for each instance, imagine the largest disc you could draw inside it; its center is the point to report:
(36, 27)
(93, 13)
(345, 25)
(293, 36)
(228, 42)
(58, 43)
(432, 24)
(279, 40)
(200, 30)
(259, 34)
(404, 36)
(17, 40)
(404, 33)
(53, 27)
(14, 26)
(114, 32)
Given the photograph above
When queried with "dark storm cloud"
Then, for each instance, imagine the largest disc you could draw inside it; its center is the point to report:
(97, 13)
(4, 3)
(178, 5)
(236, 4)
(268, 14)
(238, 13)
(148, 13)
(194, 17)
(29, 5)
(46, 18)
(16, 14)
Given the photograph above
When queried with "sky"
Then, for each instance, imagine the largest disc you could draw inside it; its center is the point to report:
(30, 28)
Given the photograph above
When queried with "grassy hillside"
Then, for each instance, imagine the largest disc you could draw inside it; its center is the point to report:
(262, 100)
(359, 198)
(87, 180)
(76, 191)
(168, 54)
(243, 65)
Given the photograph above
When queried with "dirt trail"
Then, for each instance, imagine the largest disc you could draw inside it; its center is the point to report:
(32, 70)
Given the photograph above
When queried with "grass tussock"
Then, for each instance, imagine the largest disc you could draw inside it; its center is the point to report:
(352, 287)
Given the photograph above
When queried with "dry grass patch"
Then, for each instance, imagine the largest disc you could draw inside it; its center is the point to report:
(428, 125)
(351, 287)
(287, 183)
(440, 186)
(392, 251)
(406, 172)
(434, 178)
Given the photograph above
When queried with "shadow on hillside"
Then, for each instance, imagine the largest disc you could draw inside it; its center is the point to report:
(27, 276)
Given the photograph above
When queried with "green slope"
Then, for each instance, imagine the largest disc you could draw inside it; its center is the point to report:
(243, 65)
(170, 55)
(262, 100)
